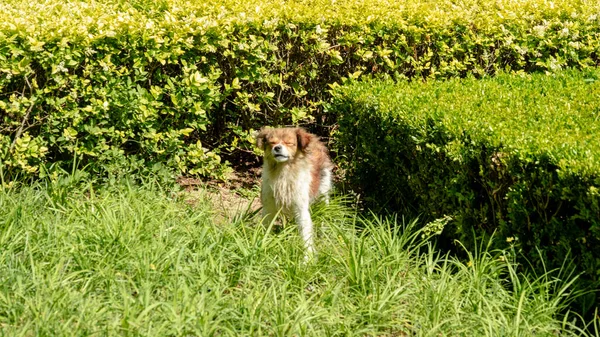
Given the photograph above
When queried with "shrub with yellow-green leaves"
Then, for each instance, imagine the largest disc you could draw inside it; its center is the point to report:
(514, 155)
(140, 85)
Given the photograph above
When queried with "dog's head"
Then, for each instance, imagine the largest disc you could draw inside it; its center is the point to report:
(283, 144)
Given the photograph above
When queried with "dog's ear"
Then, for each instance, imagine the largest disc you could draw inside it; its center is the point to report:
(304, 138)
(261, 138)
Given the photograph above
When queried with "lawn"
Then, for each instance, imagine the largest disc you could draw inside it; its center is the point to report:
(149, 259)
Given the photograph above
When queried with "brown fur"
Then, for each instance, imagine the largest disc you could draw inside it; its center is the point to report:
(301, 144)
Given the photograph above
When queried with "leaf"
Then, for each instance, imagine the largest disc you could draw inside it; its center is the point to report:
(186, 132)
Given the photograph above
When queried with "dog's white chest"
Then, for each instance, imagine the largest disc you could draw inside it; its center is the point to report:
(287, 188)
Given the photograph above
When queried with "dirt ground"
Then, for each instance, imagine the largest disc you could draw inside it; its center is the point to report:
(240, 194)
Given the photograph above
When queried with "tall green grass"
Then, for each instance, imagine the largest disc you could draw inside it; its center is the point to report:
(138, 260)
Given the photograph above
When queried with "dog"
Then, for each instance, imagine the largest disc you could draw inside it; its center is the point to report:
(296, 172)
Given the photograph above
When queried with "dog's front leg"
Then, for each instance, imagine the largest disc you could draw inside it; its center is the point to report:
(305, 227)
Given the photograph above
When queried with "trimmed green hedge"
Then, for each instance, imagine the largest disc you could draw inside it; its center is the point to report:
(139, 85)
(514, 154)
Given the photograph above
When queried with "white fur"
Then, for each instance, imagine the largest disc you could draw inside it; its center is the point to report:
(325, 185)
(286, 189)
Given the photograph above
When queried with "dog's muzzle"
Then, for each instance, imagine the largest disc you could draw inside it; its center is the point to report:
(280, 153)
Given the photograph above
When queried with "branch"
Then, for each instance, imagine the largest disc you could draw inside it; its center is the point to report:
(20, 130)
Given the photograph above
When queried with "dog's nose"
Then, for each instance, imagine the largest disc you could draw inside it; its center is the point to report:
(277, 148)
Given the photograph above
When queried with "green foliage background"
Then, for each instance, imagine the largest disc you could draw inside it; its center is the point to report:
(517, 155)
(139, 86)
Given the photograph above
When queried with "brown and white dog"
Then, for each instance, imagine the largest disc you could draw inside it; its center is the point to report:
(296, 170)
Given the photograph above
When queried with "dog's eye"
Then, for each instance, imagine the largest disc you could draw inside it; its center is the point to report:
(290, 144)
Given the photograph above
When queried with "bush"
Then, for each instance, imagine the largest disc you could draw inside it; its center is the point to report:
(517, 155)
(142, 85)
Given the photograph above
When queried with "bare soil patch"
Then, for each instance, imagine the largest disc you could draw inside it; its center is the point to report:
(239, 195)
